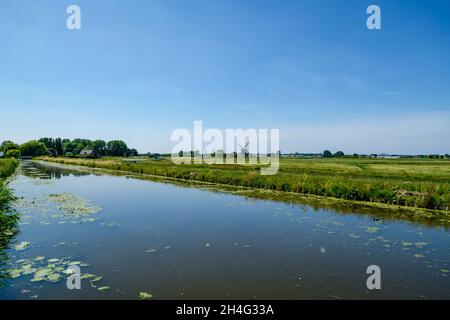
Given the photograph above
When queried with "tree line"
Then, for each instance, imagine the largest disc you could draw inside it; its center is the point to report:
(65, 147)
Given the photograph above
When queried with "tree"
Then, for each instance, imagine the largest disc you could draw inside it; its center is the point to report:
(8, 145)
(99, 147)
(68, 146)
(327, 154)
(339, 154)
(116, 148)
(33, 149)
(84, 142)
(59, 147)
(75, 146)
(13, 153)
(48, 142)
(134, 152)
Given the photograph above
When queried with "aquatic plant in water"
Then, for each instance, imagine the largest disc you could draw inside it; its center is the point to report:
(73, 205)
(22, 246)
(145, 295)
(51, 270)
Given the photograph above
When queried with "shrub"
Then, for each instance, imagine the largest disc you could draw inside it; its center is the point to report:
(13, 153)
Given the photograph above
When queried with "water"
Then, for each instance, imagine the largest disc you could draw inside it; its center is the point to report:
(187, 243)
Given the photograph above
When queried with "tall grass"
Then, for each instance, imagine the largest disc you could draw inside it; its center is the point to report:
(8, 219)
(421, 184)
(7, 167)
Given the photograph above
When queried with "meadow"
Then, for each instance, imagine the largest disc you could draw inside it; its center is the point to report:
(416, 183)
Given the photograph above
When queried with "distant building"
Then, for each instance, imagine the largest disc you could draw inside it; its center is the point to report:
(86, 153)
(2, 155)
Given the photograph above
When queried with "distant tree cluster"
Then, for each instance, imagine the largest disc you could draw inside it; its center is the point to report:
(66, 147)
(328, 154)
(10, 149)
(429, 156)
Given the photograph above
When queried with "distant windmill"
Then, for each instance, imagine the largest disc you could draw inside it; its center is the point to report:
(244, 150)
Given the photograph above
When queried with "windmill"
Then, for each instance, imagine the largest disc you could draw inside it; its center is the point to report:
(244, 150)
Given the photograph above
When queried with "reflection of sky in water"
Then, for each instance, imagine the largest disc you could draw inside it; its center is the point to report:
(179, 242)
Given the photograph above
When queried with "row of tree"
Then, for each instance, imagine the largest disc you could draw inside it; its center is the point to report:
(66, 147)
(328, 154)
(31, 148)
(340, 154)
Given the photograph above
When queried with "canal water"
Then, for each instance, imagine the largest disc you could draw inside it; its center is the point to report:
(134, 239)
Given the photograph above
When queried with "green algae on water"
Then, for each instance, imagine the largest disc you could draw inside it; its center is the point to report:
(73, 205)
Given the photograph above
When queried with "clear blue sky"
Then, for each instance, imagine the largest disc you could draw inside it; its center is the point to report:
(137, 70)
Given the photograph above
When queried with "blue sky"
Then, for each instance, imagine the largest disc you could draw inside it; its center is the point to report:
(137, 70)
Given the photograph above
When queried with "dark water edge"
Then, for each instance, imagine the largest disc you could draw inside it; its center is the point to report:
(182, 242)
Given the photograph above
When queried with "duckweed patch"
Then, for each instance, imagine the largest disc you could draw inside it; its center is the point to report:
(70, 208)
(73, 205)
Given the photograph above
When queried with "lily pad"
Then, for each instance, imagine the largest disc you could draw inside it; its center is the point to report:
(22, 246)
(15, 273)
(43, 273)
(145, 295)
(372, 229)
(29, 271)
(54, 277)
(37, 279)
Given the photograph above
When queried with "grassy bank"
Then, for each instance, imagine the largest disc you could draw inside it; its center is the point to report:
(7, 168)
(8, 219)
(411, 183)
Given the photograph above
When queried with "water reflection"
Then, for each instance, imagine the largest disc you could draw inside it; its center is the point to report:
(41, 171)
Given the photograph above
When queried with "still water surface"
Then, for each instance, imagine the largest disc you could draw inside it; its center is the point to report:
(186, 243)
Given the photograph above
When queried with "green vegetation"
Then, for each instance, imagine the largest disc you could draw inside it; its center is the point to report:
(72, 148)
(8, 220)
(7, 167)
(33, 149)
(66, 147)
(13, 153)
(417, 183)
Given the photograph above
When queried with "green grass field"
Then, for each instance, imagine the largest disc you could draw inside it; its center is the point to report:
(410, 182)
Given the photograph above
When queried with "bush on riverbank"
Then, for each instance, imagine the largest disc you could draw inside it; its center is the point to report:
(7, 167)
(8, 219)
